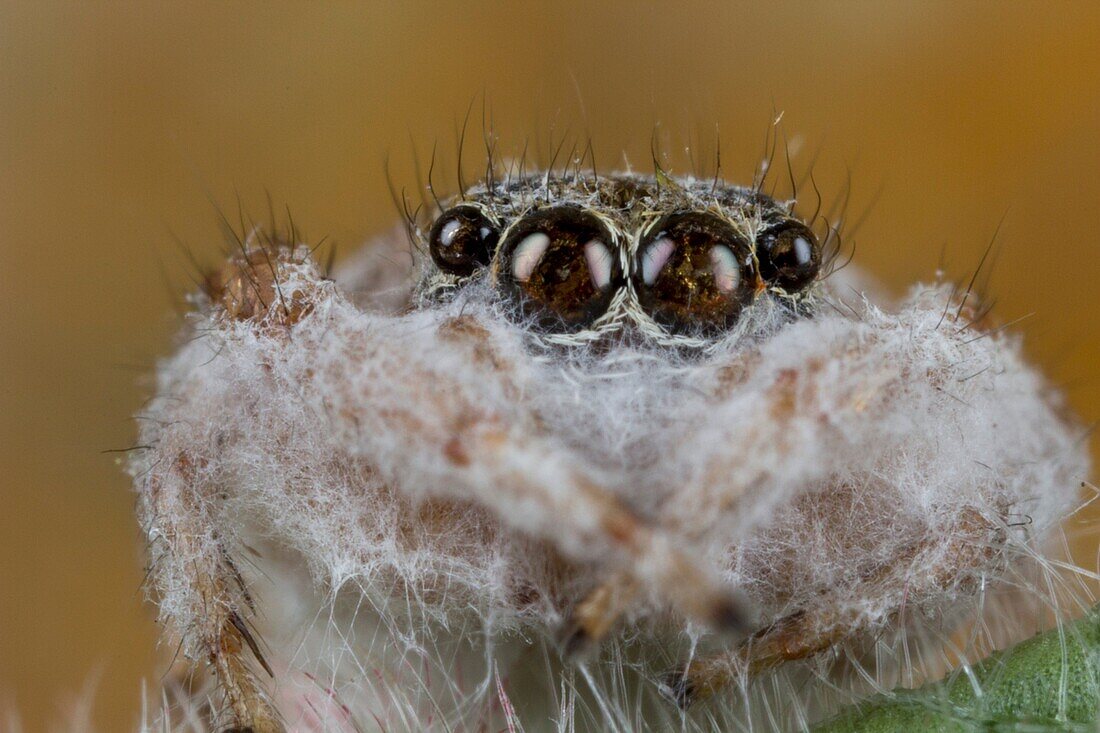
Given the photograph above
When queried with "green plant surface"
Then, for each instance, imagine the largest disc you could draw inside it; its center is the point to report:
(1048, 682)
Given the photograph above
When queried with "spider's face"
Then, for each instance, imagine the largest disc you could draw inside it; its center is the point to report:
(578, 260)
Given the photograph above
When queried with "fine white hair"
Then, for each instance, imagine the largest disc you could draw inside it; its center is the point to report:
(411, 500)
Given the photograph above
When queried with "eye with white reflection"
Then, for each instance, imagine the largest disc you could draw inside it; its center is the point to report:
(461, 240)
(694, 272)
(561, 266)
(726, 269)
(803, 250)
(448, 232)
(789, 256)
(527, 255)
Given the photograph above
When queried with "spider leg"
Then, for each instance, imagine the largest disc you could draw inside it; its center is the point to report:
(595, 614)
(478, 443)
(428, 403)
(789, 419)
(187, 554)
(798, 635)
(725, 483)
(182, 503)
(806, 632)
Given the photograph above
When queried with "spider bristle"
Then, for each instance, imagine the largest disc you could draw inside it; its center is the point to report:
(461, 135)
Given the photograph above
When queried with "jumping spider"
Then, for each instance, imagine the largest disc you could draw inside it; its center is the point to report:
(602, 401)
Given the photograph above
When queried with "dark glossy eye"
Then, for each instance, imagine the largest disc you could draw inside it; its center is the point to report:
(789, 256)
(561, 265)
(694, 272)
(461, 240)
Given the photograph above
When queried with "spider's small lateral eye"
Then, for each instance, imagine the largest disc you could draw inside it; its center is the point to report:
(561, 264)
(789, 256)
(461, 240)
(694, 272)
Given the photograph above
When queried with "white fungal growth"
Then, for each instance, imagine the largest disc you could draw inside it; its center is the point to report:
(402, 508)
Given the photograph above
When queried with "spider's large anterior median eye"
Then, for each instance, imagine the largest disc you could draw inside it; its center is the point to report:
(789, 256)
(461, 240)
(694, 271)
(562, 266)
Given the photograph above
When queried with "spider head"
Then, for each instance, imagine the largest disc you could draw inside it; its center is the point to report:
(676, 261)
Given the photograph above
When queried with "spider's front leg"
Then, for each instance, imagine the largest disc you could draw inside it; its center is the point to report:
(181, 495)
(868, 481)
(454, 397)
(426, 404)
(880, 425)
(193, 564)
(593, 617)
(921, 572)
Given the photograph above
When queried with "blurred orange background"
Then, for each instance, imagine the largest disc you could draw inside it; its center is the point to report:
(120, 122)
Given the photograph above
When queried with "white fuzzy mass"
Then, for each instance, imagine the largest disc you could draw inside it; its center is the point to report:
(434, 473)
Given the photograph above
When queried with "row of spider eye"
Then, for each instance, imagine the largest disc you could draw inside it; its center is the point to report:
(692, 271)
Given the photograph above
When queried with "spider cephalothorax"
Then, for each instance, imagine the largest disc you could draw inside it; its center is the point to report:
(598, 404)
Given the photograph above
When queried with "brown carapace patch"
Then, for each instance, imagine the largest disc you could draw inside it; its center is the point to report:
(251, 286)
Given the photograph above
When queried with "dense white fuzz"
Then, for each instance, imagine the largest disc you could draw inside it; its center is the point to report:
(415, 501)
